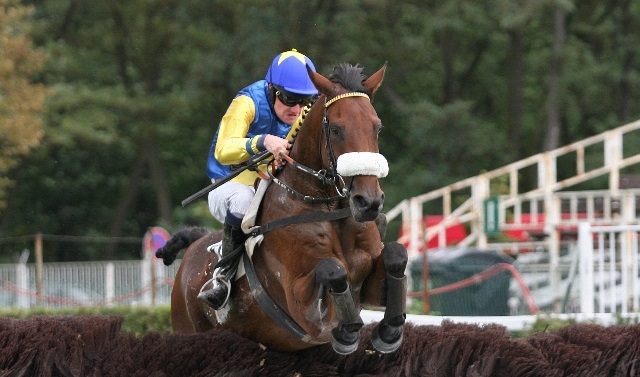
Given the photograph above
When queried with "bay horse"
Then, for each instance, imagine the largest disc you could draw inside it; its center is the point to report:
(319, 255)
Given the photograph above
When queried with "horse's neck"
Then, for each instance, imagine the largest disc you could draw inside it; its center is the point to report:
(308, 151)
(307, 142)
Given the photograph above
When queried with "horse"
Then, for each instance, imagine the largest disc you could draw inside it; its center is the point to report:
(320, 255)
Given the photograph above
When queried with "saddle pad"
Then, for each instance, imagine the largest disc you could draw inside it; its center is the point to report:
(249, 223)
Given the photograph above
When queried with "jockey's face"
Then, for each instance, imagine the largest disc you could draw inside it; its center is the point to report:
(287, 114)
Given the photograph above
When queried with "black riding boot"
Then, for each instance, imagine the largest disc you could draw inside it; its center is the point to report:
(225, 270)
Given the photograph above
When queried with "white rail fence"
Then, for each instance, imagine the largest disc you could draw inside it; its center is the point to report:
(87, 284)
(607, 157)
(604, 269)
(609, 268)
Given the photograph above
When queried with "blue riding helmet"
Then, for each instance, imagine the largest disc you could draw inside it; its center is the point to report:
(288, 72)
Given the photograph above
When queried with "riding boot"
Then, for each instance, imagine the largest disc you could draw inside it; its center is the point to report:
(225, 270)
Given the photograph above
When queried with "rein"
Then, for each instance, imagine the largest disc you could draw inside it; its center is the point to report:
(270, 307)
(327, 179)
(310, 217)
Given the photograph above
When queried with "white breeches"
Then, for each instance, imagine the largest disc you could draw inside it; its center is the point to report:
(231, 197)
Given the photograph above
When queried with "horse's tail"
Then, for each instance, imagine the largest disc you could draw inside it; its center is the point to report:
(180, 240)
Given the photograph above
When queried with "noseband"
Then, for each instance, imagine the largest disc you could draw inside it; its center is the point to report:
(348, 164)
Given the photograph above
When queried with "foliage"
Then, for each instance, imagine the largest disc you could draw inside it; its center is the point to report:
(137, 320)
(546, 324)
(138, 88)
(21, 99)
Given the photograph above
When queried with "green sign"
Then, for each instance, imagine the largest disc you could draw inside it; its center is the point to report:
(491, 223)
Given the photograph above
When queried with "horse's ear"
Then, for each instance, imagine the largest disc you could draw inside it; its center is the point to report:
(374, 81)
(322, 83)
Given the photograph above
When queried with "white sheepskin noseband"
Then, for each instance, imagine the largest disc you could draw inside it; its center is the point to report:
(362, 163)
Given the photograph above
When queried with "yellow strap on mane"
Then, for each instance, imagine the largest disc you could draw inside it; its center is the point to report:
(345, 95)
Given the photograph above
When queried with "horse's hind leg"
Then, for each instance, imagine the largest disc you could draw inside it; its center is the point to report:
(346, 336)
(387, 336)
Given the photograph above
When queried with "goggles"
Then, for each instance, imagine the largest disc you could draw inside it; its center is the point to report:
(291, 101)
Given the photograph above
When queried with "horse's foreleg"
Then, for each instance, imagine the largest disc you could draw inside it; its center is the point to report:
(387, 336)
(332, 275)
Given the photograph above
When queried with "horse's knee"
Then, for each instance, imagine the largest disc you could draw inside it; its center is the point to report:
(395, 259)
(331, 274)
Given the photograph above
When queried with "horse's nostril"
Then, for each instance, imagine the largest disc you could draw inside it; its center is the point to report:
(365, 203)
(361, 201)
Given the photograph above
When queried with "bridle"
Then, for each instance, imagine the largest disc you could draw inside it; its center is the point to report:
(332, 176)
(325, 125)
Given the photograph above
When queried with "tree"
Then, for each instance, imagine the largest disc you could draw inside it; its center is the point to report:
(138, 88)
(554, 113)
(21, 100)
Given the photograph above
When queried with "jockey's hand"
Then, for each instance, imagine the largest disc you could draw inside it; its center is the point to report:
(278, 147)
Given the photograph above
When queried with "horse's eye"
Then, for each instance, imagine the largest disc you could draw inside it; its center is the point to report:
(334, 130)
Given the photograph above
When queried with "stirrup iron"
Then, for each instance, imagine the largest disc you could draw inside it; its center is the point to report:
(214, 282)
(215, 248)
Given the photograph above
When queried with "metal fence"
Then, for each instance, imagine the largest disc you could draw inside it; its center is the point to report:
(87, 284)
(609, 268)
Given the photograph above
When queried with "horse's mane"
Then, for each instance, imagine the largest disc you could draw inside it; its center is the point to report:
(350, 77)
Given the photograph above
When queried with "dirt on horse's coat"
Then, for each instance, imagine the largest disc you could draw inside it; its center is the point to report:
(94, 346)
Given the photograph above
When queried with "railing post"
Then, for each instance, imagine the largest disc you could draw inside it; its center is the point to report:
(146, 281)
(627, 256)
(480, 191)
(416, 233)
(585, 250)
(612, 157)
(39, 268)
(110, 283)
(22, 280)
(624, 264)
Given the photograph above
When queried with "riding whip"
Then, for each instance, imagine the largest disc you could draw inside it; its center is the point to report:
(250, 164)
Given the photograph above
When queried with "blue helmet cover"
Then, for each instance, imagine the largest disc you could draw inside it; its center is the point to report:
(288, 72)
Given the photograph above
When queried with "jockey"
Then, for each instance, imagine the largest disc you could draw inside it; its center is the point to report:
(259, 119)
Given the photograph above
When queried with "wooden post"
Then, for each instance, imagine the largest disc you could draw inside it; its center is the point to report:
(38, 249)
(153, 279)
(426, 301)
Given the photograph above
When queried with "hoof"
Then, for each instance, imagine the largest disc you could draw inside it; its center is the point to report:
(391, 342)
(344, 349)
(345, 343)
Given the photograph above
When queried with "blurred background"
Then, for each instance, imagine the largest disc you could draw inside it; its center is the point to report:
(108, 107)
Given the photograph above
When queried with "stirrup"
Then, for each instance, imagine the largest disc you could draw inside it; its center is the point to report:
(216, 248)
(214, 281)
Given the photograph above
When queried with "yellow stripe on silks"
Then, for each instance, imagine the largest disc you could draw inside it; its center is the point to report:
(254, 144)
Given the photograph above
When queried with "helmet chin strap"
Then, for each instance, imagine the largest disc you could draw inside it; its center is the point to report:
(271, 95)
(362, 163)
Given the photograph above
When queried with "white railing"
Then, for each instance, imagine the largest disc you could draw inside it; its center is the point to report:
(87, 284)
(609, 268)
(462, 202)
